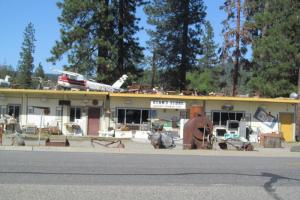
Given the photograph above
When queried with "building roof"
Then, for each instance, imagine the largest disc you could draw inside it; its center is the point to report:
(151, 96)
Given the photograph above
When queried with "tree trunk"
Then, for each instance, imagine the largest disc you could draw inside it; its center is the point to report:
(120, 37)
(153, 70)
(237, 49)
(184, 60)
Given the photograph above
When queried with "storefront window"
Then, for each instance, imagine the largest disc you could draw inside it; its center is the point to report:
(75, 113)
(58, 112)
(2, 109)
(132, 116)
(221, 117)
(14, 110)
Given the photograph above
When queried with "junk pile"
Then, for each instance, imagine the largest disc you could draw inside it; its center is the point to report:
(18, 140)
(197, 133)
(9, 123)
(161, 139)
(240, 143)
(236, 134)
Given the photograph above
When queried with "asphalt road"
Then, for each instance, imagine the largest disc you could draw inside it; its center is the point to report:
(62, 175)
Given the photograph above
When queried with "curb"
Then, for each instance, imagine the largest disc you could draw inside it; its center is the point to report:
(257, 153)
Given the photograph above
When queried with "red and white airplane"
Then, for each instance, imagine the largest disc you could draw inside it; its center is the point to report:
(72, 80)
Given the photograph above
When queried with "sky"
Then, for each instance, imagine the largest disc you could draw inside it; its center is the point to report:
(15, 15)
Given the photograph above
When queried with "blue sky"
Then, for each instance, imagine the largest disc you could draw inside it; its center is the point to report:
(16, 14)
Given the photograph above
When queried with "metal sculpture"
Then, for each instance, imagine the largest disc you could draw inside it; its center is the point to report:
(197, 133)
(161, 139)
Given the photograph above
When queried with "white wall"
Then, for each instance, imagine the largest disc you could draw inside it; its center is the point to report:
(144, 103)
(41, 120)
(250, 107)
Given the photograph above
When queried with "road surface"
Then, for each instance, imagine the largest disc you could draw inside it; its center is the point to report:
(63, 175)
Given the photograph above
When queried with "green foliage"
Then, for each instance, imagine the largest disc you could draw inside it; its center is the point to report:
(209, 58)
(39, 71)
(276, 58)
(236, 39)
(176, 38)
(25, 66)
(92, 40)
(202, 81)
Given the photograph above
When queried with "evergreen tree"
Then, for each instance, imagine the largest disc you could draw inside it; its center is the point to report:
(203, 80)
(39, 71)
(210, 58)
(86, 37)
(129, 52)
(25, 65)
(98, 37)
(276, 47)
(236, 38)
(176, 37)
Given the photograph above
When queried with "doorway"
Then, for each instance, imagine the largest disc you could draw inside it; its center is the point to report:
(93, 121)
(286, 126)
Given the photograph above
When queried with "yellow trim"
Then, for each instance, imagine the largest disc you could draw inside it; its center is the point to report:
(151, 96)
(52, 92)
(214, 98)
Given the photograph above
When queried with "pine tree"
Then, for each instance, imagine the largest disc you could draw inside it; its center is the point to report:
(236, 38)
(39, 71)
(25, 65)
(98, 37)
(86, 37)
(129, 52)
(176, 37)
(210, 58)
(276, 47)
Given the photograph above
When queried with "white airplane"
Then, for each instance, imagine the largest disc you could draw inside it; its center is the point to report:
(78, 81)
(5, 82)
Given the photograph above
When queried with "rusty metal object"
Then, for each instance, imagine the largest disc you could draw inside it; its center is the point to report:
(64, 143)
(106, 143)
(197, 133)
(237, 144)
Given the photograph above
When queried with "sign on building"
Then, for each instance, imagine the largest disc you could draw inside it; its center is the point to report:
(168, 104)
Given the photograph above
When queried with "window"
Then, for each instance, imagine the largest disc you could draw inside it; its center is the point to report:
(75, 113)
(2, 109)
(58, 112)
(14, 110)
(132, 116)
(30, 110)
(221, 117)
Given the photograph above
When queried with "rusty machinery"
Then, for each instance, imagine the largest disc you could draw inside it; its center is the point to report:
(197, 133)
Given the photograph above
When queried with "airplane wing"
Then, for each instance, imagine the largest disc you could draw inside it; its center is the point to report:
(67, 72)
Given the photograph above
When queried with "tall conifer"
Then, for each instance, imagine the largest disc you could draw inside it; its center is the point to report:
(25, 65)
(176, 37)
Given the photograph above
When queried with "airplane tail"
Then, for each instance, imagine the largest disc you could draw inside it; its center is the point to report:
(120, 82)
(7, 78)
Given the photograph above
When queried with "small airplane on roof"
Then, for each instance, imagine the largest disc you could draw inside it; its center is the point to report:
(5, 82)
(72, 80)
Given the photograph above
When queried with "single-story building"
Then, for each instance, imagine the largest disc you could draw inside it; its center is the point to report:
(132, 115)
